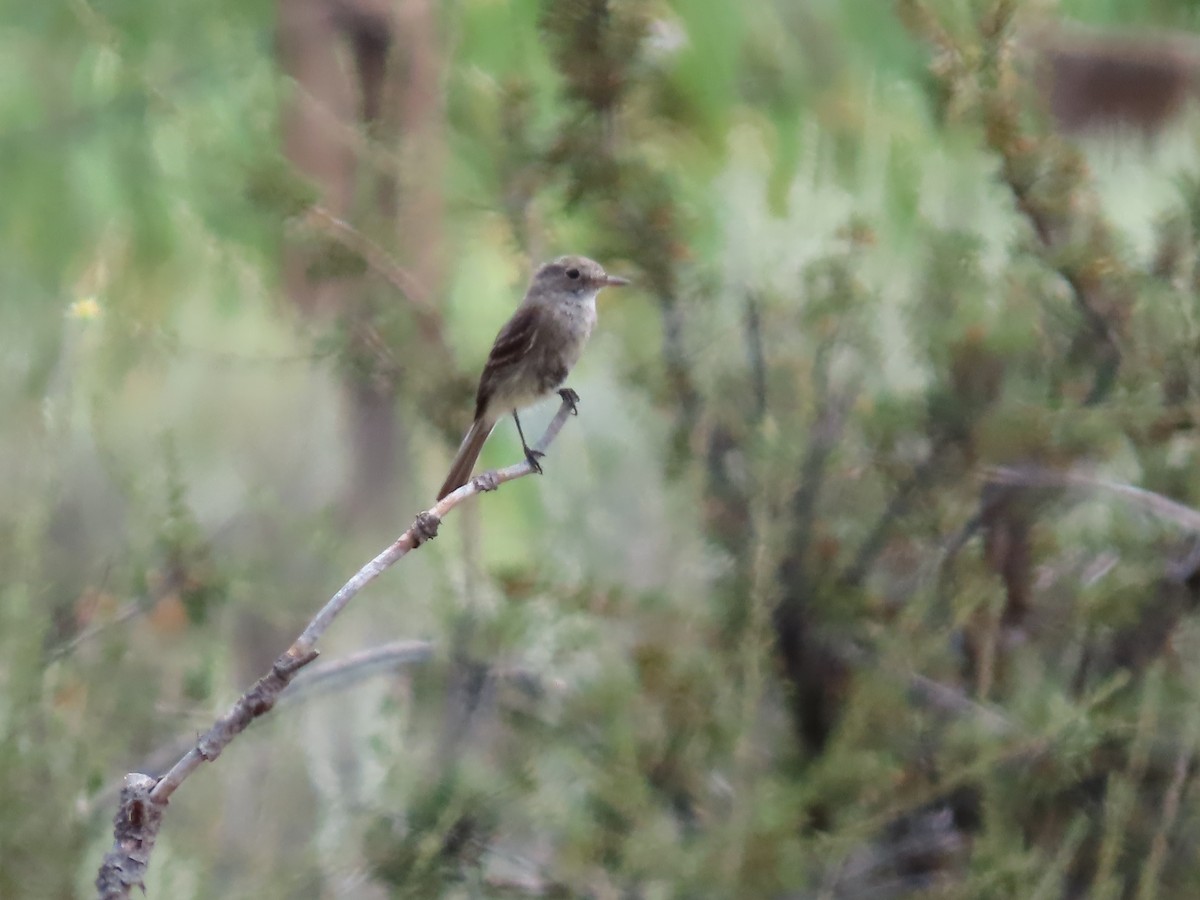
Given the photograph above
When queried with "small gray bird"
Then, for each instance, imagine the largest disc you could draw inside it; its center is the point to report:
(533, 354)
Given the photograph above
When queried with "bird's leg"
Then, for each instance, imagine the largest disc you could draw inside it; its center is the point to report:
(570, 398)
(531, 455)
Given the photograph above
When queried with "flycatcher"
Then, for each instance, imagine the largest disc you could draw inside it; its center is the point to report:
(533, 354)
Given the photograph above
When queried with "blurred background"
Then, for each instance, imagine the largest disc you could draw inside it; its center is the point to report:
(867, 570)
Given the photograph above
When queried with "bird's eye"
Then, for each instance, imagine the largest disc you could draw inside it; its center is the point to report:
(572, 273)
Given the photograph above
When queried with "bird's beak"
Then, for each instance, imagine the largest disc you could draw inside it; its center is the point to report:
(615, 281)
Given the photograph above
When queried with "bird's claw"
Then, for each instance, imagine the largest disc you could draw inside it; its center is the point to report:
(532, 456)
(571, 399)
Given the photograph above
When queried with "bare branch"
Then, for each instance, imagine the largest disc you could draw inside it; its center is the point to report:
(135, 829)
(952, 700)
(357, 666)
(319, 679)
(95, 629)
(382, 263)
(1170, 812)
(143, 801)
(1156, 504)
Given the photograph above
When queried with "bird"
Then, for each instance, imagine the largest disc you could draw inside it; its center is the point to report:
(532, 355)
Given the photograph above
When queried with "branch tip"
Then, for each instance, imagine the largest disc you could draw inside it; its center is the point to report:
(292, 660)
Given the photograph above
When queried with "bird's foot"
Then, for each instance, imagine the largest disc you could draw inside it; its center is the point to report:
(532, 456)
(570, 398)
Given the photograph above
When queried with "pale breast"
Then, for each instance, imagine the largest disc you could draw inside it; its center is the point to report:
(566, 335)
(562, 334)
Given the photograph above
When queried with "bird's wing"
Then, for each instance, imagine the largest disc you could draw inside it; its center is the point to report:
(514, 343)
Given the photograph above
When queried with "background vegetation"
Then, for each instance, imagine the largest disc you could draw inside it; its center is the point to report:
(837, 587)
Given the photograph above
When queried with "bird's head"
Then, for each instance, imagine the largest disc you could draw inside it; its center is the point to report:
(575, 276)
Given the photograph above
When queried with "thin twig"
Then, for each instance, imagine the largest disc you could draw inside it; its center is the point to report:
(933, 694)
(1148, 883)
(360, 665)
(897, 508)
(833, 406)
(1156, 504)
(381, 262)
(123, 615)
(144, 800)
(952, 700)
(756, 356)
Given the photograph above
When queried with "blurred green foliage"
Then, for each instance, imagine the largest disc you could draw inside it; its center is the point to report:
(771, 624)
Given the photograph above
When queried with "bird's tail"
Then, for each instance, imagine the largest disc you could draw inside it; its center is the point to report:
(468, 453)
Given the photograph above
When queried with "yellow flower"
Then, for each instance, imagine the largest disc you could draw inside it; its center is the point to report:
(84, 308)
